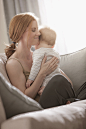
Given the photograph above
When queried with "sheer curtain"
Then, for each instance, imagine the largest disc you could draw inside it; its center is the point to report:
(68, 19)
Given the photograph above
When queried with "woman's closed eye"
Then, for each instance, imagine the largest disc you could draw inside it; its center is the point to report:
(33, 30)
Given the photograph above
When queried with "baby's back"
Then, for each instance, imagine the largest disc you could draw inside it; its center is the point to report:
(50, 52)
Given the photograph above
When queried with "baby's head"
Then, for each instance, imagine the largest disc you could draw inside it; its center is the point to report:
(48, 36)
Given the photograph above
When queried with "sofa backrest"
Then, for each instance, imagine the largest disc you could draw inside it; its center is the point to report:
(74, 65)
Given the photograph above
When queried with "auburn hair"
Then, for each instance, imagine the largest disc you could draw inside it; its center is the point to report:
(17, 27)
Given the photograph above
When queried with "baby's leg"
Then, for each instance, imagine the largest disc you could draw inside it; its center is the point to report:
(56, 93)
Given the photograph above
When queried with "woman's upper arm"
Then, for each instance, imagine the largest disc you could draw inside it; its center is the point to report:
(16, 76)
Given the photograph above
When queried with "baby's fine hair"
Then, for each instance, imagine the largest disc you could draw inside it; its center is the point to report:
(48, 35)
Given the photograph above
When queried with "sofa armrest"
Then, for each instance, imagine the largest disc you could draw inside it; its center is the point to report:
(71, 116)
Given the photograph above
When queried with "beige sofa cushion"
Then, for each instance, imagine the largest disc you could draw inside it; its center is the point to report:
(2, 113)
(74, 65)
(14, 101)
(71, 116)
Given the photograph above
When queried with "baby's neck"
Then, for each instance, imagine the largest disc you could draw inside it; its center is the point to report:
(43, 44)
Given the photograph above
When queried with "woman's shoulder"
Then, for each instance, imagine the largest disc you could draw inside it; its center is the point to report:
(13, 64)
(15, 74)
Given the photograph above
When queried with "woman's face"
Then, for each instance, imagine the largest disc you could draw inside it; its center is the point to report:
(32, 34)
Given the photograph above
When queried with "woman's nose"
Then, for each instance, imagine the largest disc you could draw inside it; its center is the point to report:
(38, 33)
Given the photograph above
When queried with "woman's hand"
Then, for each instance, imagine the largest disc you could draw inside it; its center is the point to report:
(49, 66)
(28, 83)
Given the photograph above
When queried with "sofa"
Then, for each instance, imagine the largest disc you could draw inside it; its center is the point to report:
(17, 111)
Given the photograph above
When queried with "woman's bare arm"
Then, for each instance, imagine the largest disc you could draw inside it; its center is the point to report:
(46, 68)
(17, 77)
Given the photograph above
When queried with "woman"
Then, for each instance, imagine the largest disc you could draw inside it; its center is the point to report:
(23, 30)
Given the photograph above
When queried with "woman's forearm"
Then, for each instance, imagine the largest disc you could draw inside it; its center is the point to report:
(33, 89)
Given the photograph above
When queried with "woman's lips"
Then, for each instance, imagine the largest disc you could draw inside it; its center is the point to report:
(36, 37)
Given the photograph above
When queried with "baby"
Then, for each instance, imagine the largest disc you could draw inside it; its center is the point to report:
(45, 47)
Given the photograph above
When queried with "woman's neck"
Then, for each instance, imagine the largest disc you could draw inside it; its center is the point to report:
(22, 51)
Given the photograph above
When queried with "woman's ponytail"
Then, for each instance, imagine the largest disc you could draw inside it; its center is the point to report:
(9, 50)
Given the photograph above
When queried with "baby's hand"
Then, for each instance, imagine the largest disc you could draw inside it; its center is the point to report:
(28, 83)
(41, 90)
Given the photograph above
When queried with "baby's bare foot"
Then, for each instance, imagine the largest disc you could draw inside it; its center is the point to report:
(68, 102)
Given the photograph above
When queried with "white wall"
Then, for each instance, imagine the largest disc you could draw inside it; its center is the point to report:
(3, 30)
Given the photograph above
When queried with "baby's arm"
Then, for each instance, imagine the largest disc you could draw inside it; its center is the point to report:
(28, 83)
(37, 60)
